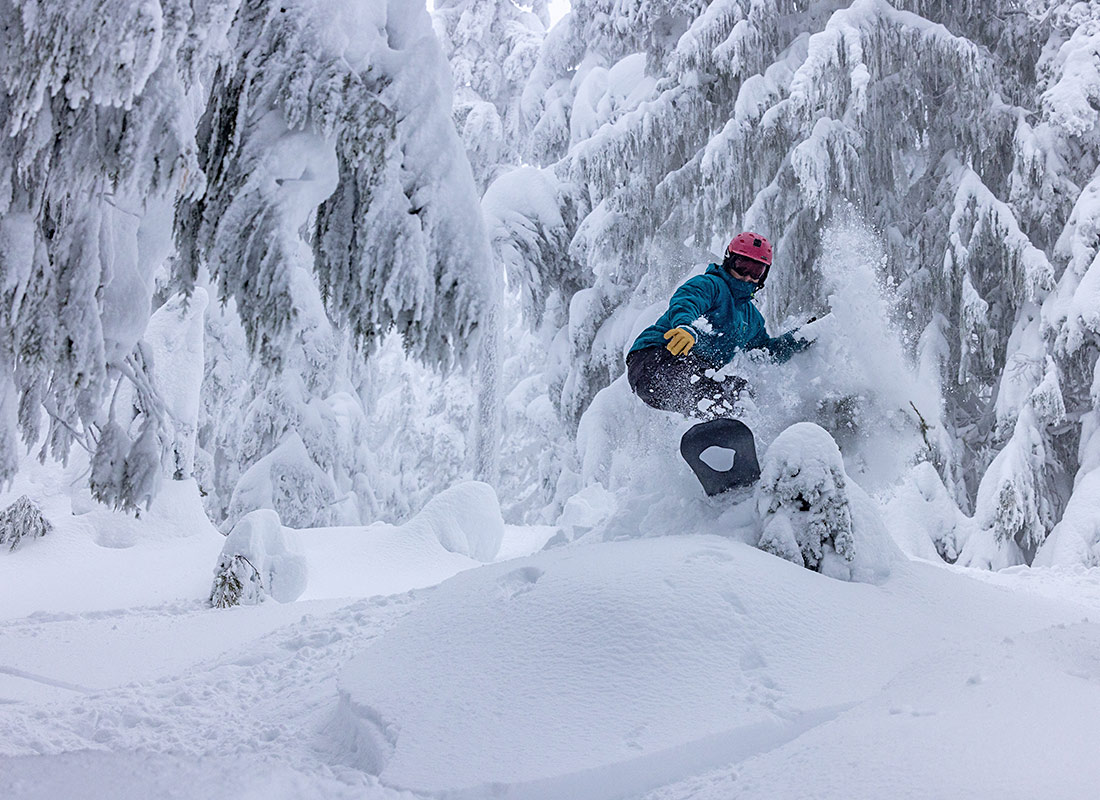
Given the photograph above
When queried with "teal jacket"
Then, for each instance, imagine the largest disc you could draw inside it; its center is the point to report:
(717, 310)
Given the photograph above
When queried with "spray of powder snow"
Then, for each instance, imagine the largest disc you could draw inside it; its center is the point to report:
(856, 380)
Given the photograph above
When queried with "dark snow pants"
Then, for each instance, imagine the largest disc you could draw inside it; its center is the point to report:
(679, 383)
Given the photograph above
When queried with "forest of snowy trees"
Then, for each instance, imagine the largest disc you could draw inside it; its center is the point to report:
(330, 256)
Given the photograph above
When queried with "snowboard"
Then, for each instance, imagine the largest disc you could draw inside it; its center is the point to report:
(722, 454)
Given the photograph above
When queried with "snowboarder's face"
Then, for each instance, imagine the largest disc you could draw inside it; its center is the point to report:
(747, 269)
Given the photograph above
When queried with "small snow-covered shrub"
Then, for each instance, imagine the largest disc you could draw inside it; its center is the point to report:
(929, 523)
(802, 499)
(260, 559)
(22, 519)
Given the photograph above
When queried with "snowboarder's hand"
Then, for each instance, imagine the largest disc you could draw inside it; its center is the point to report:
(680, 342)
(815, 327)
(805, 341)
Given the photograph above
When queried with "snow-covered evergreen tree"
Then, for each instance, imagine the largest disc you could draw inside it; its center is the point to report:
(802, 499)
(175, 338)
(343, 111)
(236, 582)
(491, 46)
(309, 152)
(1066, 165)
(341, 157)
(98, 144)
(22, 520)
(260, 559)
(305, 156)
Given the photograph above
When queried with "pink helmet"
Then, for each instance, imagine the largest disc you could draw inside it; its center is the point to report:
(751, 245)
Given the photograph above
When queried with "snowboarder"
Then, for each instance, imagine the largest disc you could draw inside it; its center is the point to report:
(709, 318)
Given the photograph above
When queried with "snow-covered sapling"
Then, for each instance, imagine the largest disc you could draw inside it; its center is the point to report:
(236, 582)
(22, 519)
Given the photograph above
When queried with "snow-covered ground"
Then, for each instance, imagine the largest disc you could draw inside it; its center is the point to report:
(686, 666)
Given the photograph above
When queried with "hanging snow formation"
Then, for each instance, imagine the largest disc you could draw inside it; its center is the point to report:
(293, 150)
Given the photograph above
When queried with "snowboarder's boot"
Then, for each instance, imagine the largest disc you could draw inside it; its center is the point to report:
(722, 454)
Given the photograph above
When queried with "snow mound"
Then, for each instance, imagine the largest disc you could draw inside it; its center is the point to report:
(176, 513)
(1076, 538)
(603, 670)
(457, 530)
(96, 558)
(813, 515)
(967, 701)
(273, 551)
(924, 518)
(379, 559)
(584, 511)
(876, 552)
(466, 519)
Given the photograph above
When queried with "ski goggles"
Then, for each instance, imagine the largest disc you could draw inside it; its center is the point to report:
(749, 267)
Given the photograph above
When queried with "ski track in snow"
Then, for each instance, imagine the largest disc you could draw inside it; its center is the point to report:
(44, 680)
(272, 698)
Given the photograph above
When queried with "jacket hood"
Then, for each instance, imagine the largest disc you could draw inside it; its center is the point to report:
(741, 290)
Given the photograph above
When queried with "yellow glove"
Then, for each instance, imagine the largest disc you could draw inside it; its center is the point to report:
(680, 343)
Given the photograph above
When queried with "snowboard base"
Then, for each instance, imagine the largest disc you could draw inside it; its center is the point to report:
(722, 454)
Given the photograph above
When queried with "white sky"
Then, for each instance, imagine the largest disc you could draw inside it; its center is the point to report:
(557, 10)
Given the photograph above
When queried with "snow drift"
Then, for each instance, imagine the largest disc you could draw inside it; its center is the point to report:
(457, 530)
(603, 670)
